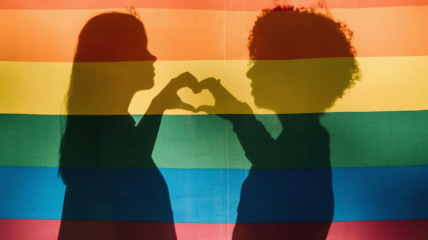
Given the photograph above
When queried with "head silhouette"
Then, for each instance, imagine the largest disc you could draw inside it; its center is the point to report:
(111, 63)
(317, 60)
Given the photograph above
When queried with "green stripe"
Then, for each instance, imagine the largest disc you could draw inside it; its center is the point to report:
(363, 139)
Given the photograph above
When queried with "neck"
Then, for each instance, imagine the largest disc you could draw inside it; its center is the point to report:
(116, 103)
(291, 122)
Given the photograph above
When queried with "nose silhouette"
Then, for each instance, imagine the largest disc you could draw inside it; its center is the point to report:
(150, 57)
(250, 72)
(153, 57)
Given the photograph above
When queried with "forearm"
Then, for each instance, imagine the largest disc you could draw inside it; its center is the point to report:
(149, 125)
(253, 136)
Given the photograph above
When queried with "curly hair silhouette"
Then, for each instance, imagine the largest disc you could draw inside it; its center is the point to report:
(313, 83)
(303, 61)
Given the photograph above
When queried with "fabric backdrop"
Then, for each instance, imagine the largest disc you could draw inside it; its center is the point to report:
(378, 134)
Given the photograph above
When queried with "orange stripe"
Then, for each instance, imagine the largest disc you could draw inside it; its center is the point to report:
(234, 5)
(51, 36)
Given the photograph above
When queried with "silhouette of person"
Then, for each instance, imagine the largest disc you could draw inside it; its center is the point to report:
(288, 193)
(113, 187)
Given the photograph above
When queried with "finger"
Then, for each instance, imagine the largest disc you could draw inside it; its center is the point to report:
(206, 108)
(186, 80)
(209, 83)
(187, 107)
(192, 83)
(217, 90)
(213, 85)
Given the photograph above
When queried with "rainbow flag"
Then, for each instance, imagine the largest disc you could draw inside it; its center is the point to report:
(95, 142)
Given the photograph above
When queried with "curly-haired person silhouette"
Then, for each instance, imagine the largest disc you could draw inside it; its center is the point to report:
(303, 61)
(114, 189)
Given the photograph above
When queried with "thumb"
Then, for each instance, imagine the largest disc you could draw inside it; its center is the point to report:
(206, 108)
(186, 106)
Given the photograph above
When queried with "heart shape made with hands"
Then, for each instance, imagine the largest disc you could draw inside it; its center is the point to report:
(202, 98)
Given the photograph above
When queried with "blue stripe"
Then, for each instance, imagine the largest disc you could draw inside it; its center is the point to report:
(212, 195)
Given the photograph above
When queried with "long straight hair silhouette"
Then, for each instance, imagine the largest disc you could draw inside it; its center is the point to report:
(114, 189)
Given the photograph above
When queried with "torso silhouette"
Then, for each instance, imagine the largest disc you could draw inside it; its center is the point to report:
(290, 180)
(119, 181)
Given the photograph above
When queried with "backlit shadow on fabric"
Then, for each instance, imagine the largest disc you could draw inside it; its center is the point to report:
(288, 193)
(114, 189)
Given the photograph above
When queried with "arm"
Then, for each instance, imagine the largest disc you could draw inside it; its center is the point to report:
(256, 141)
(149, 125)
(253, 136)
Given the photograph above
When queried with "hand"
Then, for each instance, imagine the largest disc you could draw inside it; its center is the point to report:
(168, 98)
(225, 103)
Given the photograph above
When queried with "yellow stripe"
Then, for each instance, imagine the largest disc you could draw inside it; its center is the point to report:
(388, 84)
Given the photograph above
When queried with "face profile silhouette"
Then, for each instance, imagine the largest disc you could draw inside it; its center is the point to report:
(111, 64)
(303, 61)
(114, 188)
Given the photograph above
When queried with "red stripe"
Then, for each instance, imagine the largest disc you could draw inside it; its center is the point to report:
(20, 229)
(234, 5)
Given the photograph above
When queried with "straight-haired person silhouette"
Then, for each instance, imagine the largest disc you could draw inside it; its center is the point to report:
(113, 188)
(288, 193)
